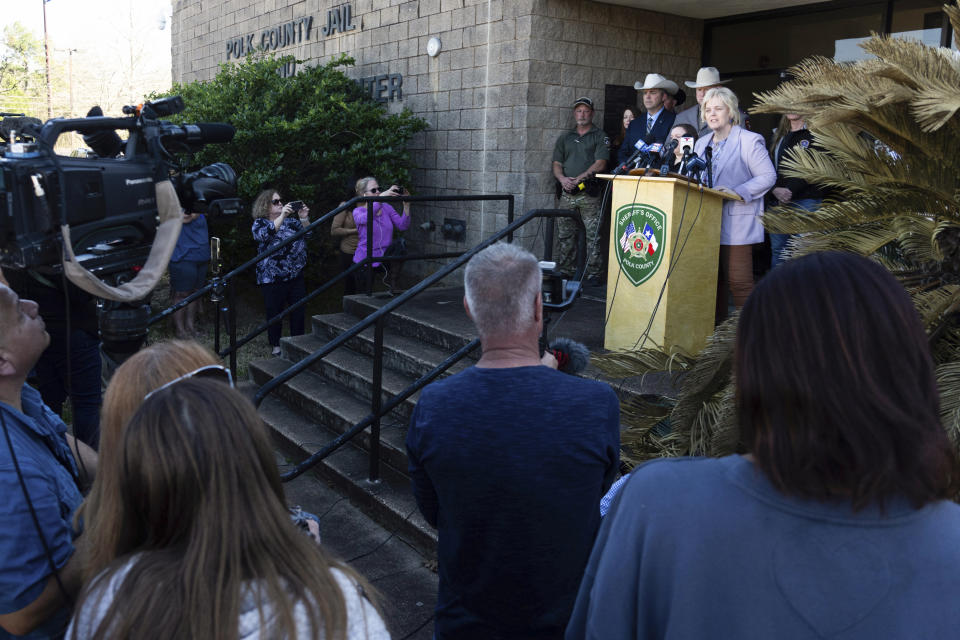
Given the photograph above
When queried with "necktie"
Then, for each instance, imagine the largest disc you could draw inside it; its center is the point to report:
(649, 123)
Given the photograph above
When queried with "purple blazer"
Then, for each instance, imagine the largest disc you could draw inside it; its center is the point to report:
(742, 165)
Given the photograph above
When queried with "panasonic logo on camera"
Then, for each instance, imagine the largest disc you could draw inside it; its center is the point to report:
(129, 182)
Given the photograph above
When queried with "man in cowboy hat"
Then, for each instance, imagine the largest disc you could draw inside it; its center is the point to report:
(707, 78)
(655, 125)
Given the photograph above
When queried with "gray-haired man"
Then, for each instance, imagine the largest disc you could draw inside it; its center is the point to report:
(509, 461)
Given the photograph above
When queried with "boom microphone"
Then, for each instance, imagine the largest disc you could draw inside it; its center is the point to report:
(572, 356)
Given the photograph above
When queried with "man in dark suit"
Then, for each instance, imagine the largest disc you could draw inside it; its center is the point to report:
(655, 124)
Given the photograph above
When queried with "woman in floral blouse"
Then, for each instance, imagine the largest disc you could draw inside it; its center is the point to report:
(280, 275)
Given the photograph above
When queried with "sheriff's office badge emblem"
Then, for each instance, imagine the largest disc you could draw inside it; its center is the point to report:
(804, 143)
(641, 230)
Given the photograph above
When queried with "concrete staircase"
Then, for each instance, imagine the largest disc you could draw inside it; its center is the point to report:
(312, 409)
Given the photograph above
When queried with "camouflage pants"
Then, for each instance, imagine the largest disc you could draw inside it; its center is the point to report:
(592, 216)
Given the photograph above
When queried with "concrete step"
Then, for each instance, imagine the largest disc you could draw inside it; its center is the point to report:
(333, 411)
(404, 584)
(401, 353)
(388, 501)
(434, 317)
(353, 371)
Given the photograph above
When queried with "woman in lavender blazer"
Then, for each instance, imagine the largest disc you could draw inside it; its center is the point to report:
(741, 166)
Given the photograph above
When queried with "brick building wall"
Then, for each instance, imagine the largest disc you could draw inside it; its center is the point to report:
(496, 97)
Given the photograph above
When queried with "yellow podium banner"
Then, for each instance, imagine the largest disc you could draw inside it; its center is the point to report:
(664, 256)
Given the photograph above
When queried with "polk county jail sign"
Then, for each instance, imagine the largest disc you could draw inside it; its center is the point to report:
(382, 88)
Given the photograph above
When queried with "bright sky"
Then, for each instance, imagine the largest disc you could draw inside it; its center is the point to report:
(89, 23)
(122, 53)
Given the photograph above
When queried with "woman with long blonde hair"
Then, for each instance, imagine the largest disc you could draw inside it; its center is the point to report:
(143, 372)
(205, 549)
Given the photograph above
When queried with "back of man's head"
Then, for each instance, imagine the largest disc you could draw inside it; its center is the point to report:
(501, 284)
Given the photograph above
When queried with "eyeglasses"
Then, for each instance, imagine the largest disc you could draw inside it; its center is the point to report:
(276, 201)
(375, 190)
(211, 372)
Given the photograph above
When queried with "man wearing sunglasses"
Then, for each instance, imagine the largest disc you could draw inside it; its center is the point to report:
(40, 483)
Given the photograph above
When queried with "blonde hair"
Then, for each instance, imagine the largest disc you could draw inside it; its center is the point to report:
(261, 204)
(727, 97)
(361, 186)
(145, 371)
(202, 511)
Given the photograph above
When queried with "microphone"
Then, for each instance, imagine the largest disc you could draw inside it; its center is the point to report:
(653, 154)
(694, 165)
(200, 133)
(665, 156)
(572, 356)
(641, 148)
(708, 158)
(105, 143)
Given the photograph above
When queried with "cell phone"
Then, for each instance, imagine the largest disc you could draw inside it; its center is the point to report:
(296, 205)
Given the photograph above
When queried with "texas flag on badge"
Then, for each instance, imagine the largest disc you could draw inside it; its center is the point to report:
(652, 245)
(625, 238)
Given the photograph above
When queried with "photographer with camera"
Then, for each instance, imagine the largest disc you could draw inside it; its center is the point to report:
(280, 275)
(380, 231)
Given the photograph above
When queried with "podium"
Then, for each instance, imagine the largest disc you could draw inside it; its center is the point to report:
(663, 259)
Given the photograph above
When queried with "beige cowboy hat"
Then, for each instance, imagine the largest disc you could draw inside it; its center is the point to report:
(706, 77)
(656, 81)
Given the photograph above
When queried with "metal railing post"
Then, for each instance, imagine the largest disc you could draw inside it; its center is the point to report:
(369, 266)
(232, 322)
(376, 399)
(216, 299)
(510, 218)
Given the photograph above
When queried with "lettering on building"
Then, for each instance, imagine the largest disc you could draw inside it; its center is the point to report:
(339, 19)
(387, 87)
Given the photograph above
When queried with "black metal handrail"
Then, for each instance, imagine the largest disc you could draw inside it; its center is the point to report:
(217, 284)
(377, 319)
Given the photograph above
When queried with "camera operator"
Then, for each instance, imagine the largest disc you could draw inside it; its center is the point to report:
(380, 231)
(280, 275)
(71, 365)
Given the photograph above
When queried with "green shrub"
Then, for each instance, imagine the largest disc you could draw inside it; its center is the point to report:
(310, 136)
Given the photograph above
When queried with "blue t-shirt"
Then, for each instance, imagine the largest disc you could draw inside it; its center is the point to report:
(509, 465)
(49, 472)
(193, 243)
(707, 548)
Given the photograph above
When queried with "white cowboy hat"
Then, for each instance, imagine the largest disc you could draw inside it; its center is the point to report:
(706, 77)
(656, 81)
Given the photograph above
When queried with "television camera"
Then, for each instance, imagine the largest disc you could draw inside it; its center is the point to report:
(105, 204)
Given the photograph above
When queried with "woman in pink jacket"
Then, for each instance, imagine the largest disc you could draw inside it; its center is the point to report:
(741, 166)
(385, 220)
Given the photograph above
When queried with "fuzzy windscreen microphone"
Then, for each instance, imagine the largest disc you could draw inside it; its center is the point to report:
(572, 356)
